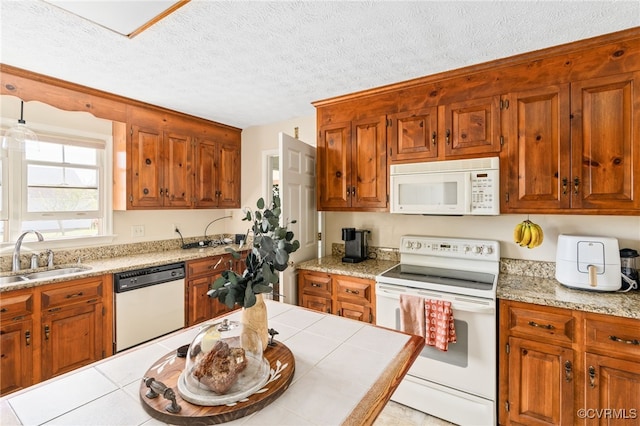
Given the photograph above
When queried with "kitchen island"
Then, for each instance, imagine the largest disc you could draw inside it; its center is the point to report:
(345, 373)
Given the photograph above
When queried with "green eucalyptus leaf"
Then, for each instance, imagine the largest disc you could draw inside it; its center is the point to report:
(262, 288)
(260, 203)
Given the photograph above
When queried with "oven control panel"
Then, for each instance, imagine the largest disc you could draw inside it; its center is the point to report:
(450, 247)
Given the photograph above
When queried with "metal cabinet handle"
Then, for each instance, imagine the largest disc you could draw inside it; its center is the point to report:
(161, 192)
(447, 136)
(628, 342)
(348, 290)
(565, 184)
(166, 192)
(576, 185)
(47, 331)
(353, 191)
(27, 337)
(567, 371)
(433, 138)
(348, 191)
(315, 285)
(545, 326)
(592, 376)
(69, 296)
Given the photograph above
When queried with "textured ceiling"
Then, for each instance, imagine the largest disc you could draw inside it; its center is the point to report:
(252, 63)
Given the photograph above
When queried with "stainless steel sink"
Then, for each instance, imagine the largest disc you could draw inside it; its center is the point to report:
(13, 279)
(51, 273)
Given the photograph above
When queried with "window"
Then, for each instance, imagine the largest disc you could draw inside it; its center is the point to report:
(58, 188)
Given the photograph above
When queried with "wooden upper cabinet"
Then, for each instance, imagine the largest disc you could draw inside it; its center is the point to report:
(536, 127)
(471, 127)
(177, 175)
(334, 166)
(217, 176)
(160, 168)
(413, 135)
(571, 147)
(605, 133)
(369, 164)
(352, 166)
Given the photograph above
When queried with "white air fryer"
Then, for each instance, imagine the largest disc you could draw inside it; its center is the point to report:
(588, 262)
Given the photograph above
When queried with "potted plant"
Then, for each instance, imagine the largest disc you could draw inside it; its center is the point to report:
(272, 243)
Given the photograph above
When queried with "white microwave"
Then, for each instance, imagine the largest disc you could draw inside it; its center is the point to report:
(454, 187)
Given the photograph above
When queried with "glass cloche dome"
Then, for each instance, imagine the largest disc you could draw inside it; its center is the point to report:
(224, 364)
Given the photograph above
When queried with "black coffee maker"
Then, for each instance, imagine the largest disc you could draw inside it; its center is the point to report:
(355, 245)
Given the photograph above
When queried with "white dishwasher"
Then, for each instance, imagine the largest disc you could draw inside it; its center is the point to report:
(149, 303)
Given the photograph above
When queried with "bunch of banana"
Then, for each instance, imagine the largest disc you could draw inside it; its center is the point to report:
(528, 234)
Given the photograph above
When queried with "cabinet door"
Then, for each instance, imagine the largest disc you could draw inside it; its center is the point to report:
(536, 124)
(71, 338)
(229, 176)
(146, 167)
(333, 166)
(206, 176)
(369, 164)
(200, 304)
(177, 179)
(541, 381)
(16, 356)
(612, 388)
(472, 127)
(354, 311)
(605, 134)
(317, 303)
(413, 135)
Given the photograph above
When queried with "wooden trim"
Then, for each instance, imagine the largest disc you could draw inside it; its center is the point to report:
(536, 55)
(161, 16)
(374, 401)
(31, 86)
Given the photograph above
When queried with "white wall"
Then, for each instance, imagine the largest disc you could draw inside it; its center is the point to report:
(386, 229)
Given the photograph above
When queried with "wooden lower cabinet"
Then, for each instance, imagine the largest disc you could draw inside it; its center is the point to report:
(16, 358)
(561, 367)
(50, 330)
(201, 274)
(342, 295)
(71, 338)
(540, 383)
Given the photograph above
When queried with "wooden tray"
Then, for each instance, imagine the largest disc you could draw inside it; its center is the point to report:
(168, 368)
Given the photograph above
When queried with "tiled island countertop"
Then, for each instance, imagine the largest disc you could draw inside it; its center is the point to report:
(345, 372)
(522, 281)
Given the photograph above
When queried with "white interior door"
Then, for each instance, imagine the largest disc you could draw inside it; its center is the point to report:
(298, 196)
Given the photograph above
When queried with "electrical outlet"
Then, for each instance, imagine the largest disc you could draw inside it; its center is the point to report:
(137, 231)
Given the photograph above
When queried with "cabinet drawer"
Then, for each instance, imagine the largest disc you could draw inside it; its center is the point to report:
(16, 306)
(209, 265)
(613, 335)
(87, 291)
(357, 290)
(315, 283)
(550, 324)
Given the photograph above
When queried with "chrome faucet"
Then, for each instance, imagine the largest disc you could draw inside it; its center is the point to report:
(16, 250)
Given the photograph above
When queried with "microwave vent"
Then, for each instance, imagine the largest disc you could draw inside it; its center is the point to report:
(487, 163)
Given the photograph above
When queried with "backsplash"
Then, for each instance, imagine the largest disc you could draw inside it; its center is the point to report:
(529, 268)
(66, 257)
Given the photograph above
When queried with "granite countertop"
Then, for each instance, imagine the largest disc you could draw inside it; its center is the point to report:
(119, 264)
(522, 288)
(334, 265)
(327, 374)
(549, 292)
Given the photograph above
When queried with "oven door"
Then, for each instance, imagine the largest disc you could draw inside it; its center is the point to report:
(469, 365)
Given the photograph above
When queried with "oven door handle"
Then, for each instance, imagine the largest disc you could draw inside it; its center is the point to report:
(457, 305)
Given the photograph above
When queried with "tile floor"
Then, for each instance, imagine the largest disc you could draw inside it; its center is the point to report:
(395, 414)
